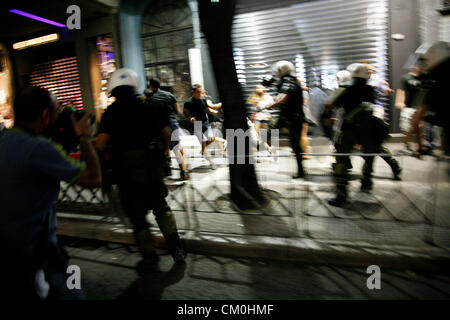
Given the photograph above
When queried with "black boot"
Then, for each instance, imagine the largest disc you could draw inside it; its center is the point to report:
(175, 248)
(366, 185)
(300, 174)
(340, 199)
(300, 171)
(396, 170)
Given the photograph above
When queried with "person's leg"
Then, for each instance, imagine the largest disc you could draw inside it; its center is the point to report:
(395, 167)
(133, 198)
(179, 154)
(208, 138)
(257, 126)
(167, 224)
(368, 147)
(304, 140)
(295, 127)
(344, 146)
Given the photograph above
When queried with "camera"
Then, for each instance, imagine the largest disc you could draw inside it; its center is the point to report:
(267, 80)
(65, 135)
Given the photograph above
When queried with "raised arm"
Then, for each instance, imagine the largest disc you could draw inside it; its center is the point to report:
(92, 176)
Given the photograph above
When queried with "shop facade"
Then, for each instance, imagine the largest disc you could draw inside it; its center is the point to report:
(162, 38)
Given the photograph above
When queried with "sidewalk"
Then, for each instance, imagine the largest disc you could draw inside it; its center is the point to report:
(393, 226)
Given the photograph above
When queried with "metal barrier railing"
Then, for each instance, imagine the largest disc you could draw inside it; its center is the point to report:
(419, 203)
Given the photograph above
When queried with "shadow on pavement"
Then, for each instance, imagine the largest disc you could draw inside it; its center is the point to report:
(152, 282)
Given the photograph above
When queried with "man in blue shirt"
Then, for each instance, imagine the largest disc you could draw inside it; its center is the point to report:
(31, 169)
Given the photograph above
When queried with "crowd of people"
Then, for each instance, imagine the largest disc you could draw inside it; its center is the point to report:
(32, 165)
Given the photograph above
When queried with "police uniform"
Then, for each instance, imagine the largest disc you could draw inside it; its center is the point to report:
(292, 116)
(359, 127)
(136, 158)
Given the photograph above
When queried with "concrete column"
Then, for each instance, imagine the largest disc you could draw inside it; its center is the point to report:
(130, 19)
(193, 5)
(208, 73)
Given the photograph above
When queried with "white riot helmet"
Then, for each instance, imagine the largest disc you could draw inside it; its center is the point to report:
(284, 68)
(359, 70)
(344, 77)
(431, 55)
(123, 77)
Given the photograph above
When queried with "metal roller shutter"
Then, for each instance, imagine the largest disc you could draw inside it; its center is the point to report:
(59, 77)
(320, 37)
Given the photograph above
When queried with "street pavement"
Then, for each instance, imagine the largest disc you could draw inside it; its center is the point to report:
(108, 273)
(400, 224)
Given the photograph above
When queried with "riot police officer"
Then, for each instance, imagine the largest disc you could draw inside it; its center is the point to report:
(359, 127)
(290, 103)
(137, 164)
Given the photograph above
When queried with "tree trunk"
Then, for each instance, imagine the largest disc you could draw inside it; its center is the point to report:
(216, 20)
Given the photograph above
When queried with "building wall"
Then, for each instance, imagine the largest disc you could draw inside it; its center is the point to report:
(404, 20)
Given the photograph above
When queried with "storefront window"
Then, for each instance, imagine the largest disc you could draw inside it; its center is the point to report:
(167, 35)
(6, 112)
(102, 64)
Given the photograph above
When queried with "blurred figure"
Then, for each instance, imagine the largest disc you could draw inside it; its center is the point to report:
(433, 97)
(169, 102)
(381, 86)
(359, 127)
(137, 158)
(406, 102)
(331, 121)
(260, 99)
(6, 116)
(308, 121)
(215, 118)
(290, 103)
(34, 266)
(196, 109)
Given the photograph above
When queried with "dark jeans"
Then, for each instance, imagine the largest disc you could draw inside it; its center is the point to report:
(294, 125)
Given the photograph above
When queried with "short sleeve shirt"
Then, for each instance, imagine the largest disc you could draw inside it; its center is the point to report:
(168, 100)
(411, 86)
(294, 107)
(31, 169)
(197, 108)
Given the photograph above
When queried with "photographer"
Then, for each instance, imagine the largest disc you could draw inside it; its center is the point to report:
(31, 168)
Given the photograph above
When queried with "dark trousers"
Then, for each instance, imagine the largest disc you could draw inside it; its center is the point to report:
(141, 188)
(349, 137)
(294, 125)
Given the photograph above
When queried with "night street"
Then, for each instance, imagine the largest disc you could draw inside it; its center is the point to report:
(108, 272)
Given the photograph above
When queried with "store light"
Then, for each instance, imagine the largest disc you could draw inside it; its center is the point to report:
(34, 17)
(36, 41)
(195, 66)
